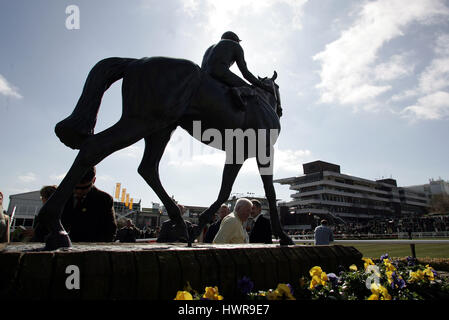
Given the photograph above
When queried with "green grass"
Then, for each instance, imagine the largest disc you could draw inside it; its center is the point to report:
(402, 250)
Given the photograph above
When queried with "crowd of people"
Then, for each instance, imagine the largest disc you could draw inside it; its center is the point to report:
(88, 216)
(385, 227)
(392, 226)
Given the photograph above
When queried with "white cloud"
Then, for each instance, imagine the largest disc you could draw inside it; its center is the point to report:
(57, 177)
(396, 67)
(432, 102)
(105, 178)
(430, 107)
(436, 76)
(265, 26)
(285, 161)
(349, 63)
(405, 95)
(289, 161)
(7, 89)
(214, 159)
(221, 14)
(442, 45)
(133, 151)
(28, 177)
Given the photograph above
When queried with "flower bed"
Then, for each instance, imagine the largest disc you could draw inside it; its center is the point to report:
(384, 279)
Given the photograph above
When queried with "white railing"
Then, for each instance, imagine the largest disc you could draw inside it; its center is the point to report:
(372, 241)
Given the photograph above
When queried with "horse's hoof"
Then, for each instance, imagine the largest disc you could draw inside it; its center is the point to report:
(194, 233)
(57, 241)
(285, 240)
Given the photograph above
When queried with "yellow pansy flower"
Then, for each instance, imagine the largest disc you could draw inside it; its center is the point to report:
(368, 262)
(373, 297)
(183, 295)
(353, 267)
(428, 272)
(389, 266)
(416, 276)
(315, 271)
(273, 294)
(379, 292)
(284, 290)
(211, 293)
(324, 278)
(314, 282)
(389, 276)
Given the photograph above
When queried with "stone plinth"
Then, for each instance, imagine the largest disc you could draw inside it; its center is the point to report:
(157, 271)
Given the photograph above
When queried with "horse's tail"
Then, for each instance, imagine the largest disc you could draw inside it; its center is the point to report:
(77, 127)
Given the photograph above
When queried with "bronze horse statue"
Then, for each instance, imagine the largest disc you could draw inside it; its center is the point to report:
(159, 94)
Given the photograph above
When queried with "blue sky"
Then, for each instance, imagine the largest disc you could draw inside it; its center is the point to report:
(364, 84)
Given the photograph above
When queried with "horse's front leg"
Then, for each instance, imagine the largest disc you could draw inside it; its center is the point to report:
(270, 193)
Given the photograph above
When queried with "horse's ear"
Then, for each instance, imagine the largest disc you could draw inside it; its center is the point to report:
(275, 75)
(259, 78)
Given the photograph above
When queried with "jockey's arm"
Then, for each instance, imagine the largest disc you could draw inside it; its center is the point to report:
(241, 63)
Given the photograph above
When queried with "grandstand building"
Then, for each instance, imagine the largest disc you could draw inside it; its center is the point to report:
(434, 187)
(324, 192)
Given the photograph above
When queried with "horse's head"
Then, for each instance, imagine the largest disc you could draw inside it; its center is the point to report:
(274, 99)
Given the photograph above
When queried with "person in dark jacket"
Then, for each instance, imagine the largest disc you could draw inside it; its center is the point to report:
(261, 230)
(89, 215)
(214, 227)
(129, 233)
(168, 231)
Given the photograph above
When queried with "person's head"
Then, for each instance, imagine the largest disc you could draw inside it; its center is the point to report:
(1, 198)
(229, 35)
(256, 209)
(46, 192)
(223, 211)
(182, 209)
(129, 223)
(243, 209)
(86, 183)
(324, 222)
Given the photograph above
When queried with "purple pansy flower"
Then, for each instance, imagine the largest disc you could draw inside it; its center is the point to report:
(245, 285)
(333, 279)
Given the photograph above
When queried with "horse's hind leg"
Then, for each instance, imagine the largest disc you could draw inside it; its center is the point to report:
(149, 170)
(94, 149)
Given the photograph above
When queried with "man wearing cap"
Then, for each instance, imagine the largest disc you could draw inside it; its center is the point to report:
(221, 56)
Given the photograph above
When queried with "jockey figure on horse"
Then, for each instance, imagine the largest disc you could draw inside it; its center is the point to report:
(220, 57)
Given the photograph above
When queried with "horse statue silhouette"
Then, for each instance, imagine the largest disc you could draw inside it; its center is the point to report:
(159, 94)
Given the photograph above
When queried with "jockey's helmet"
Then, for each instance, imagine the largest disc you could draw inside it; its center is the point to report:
(229, 35)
